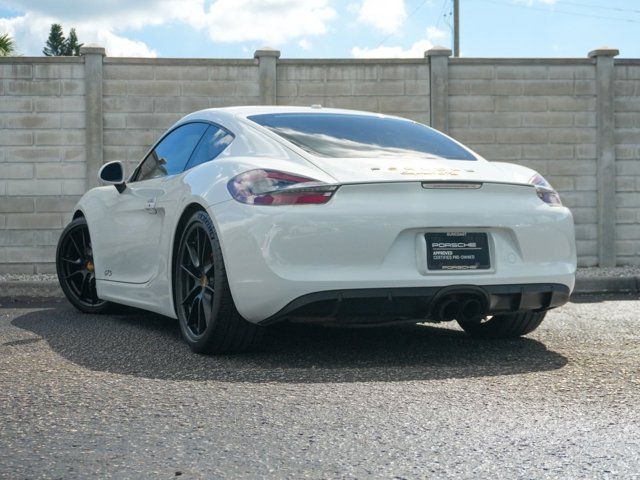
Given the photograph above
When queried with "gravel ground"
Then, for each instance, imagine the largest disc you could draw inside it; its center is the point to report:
(626, 271)
(122, 397)
(27, 277)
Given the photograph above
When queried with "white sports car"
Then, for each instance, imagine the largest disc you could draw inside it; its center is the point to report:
(238, 218)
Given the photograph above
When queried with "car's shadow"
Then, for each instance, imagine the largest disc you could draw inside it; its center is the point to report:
(150, 346)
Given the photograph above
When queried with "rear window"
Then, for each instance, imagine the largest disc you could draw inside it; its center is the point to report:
(353, 136)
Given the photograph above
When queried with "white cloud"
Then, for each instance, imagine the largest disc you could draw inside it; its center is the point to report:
(433, 36)
(386, 15)
(270, 21)
(305, 44)
(30, 32)
(117, 46)
(414, 51)
(262, 21)
(112, 14)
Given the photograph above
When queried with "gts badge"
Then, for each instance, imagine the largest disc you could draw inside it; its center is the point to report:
(107, 273)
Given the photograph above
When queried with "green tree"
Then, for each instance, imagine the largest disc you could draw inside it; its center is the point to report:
(72, 47)
(7, 46)
(56, 43)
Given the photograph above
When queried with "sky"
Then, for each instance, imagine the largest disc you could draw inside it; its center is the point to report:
(329, 28)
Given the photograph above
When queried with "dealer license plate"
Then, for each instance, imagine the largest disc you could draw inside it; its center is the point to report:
(457, 251)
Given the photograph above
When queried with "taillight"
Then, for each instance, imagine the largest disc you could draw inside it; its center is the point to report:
(271, 187)
(545, 191)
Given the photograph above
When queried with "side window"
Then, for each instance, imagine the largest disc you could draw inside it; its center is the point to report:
(171, 155)
(214, 141)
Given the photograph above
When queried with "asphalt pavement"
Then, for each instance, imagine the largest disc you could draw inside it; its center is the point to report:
(121, 396)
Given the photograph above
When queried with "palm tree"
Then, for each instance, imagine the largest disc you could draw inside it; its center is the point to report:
(7, 47)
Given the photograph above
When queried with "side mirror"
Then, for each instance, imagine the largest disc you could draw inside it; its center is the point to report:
(112, 173)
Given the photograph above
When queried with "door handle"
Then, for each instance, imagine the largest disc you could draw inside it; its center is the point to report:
(150, 206)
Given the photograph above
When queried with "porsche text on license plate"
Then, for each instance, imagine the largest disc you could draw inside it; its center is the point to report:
(457, 251)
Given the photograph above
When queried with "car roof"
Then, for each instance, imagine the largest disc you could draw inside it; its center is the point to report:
(262, 109)
(228, 113)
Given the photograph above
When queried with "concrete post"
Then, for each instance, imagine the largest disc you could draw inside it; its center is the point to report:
(439, 86)
(606, 155)
(93, 56)
(267, 59)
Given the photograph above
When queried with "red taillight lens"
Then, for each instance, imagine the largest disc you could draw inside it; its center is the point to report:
(271, 187)
(545, 191)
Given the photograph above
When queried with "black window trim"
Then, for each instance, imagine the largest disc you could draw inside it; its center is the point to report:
(195, 149)
(134, 174)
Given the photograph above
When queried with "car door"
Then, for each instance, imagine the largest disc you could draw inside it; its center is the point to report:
(138, 217)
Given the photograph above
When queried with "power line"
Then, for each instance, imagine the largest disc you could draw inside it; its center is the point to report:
(441, 16)
(601, 7)
(563, 12)
(415, 10)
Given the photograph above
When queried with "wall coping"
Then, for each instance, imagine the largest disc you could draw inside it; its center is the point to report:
(92, 49)
(317, 61)
(604, 52)
(41, 60)
(438, 51)
(178, 61)
(357, 61)
(266, 52)
(520, 61)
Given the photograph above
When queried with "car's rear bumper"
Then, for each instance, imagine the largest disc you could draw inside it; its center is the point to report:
(372, 237)
(380, 305)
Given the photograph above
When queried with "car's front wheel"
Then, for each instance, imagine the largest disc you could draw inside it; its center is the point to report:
(504, 326)
(76, 270)
(208, 317)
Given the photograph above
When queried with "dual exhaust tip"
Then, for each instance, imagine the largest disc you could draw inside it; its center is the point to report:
(464, 307)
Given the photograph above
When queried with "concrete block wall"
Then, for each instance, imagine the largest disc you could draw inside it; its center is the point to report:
(143, 97)
(42, 157)
(397, 87)
(577, 121)
(539, 114)
(627, 152)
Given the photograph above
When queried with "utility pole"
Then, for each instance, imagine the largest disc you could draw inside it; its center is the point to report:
(456, 28)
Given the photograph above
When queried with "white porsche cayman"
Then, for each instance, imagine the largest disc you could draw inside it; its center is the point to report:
(241, 217)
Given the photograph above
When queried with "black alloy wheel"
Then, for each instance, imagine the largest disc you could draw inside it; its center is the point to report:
(76, 269)
(196, 279)
(209, 320)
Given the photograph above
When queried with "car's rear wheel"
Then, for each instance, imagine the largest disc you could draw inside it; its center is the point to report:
(76, 270)
(504, 326)
(208, 317)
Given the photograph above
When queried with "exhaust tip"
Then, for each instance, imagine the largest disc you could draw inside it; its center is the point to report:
(471, 309)
(449, 310)
(459, 304)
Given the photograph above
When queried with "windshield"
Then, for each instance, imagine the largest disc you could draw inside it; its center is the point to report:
(357, 136)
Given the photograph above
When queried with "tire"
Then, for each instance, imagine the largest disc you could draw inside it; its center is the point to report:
(75, 268)
(504, 326)
(209, 320)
